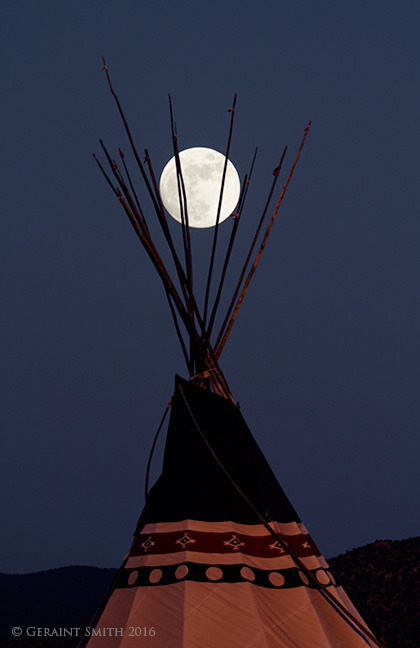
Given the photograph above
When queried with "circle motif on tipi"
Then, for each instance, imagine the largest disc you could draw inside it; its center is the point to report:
(276, 579)
(155, 575)
(181, 571)
(247, 574)
(303, 578)
(214, 573)
(322, 577)
(331, 577)
(133, 577)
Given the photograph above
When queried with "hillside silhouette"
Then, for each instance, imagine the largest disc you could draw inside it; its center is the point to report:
(383, 581)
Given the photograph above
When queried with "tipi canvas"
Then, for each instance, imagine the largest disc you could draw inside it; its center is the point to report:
(204, 570)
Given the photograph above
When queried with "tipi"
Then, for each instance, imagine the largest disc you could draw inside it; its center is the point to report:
(220, 557)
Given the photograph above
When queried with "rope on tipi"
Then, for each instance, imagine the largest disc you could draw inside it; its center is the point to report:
(332, 600)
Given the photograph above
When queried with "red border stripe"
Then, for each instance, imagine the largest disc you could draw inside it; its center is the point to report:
(264, 546)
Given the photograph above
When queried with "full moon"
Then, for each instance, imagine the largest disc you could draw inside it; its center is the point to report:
(202, 170)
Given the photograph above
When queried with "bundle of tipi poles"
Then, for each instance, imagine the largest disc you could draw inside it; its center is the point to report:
(201, 356)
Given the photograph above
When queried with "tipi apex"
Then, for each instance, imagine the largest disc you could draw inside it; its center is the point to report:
(220, 558)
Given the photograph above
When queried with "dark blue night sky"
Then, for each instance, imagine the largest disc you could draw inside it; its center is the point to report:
(325, 355)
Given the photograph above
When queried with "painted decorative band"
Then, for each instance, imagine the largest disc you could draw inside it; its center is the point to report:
(202, 573)
(264, 546)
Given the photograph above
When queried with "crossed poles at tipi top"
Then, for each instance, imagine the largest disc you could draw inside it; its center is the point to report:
(201, 356)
